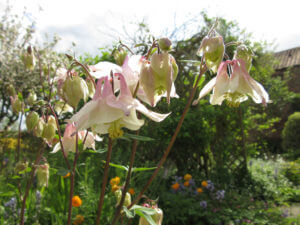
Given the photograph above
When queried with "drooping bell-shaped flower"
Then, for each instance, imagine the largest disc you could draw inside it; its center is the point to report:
(69, 139)
(236, 88)
(31, 98)
(244, 53)
(158, 75)
(29, 59)
(212, 48)
(108, 113)
(17, 104)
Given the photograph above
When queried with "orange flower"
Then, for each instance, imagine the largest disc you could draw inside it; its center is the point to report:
(187, 177)
(114, 181)
(204, 183)
(186, 183)
(199, 190)
(67, 175)
(115, 187)
(76, 201)
(175, 186)
(131, 191)
(78, 220)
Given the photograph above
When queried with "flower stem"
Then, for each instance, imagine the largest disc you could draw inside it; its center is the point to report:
(133, 151)
(29, 182)
(171, 143)
(104, 181)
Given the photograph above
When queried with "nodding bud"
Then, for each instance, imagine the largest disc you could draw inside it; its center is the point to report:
(157, 217)
(42, 173)
(11, 90)
(17, 104)
(212, 48)
(31, 98)
(32, 120)
(49, 131)
(75, 89)
(246, 54)
(165, 44)
(28, 59)
(119, 56)
(51, 120)
(127, 201)
(38, 129)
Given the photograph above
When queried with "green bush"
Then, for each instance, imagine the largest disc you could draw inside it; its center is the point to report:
(291, 135)
(292, 171)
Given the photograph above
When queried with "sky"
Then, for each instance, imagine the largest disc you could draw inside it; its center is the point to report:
(92, 24)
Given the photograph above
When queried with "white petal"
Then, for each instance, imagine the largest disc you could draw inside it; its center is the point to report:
(157, 117)
(206, 89)
(56, 148)
(131, 122)
(103, 69)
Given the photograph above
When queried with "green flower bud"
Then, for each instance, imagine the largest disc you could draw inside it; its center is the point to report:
(165, 44)
(213, 50)
(244, 53)
(21, 166)
(31, 98)
(17, 104)
(11, 90)
(75, 89)
(42, 173)
(51, 120)
(38, 129)
(127, 201)
(48, 131)
(32, 120)
(28, 59)
(119, 56)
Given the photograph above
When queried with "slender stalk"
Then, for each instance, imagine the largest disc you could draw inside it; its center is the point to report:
(29, 182)
(171, 143)
(104, 181)
(118, 210)
(72, 179)
(60, 139)
(19, 138)
(86, 70)
(240, 112)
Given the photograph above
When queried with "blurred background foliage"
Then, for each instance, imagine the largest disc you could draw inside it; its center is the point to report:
(251, 152)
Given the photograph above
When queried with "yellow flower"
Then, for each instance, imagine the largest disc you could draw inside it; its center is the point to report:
(131, 191)
(199, 190)
(76, 201)
(187, 177)
(78, 219)
(115, 187)
(204, 183)
(186, 183)
(67, 175)
(175, 186)
(114, 181)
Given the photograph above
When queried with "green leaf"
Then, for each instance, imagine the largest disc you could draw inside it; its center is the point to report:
(27, 170)
(140, 45)
(20, 96)
(117, 166)
(146, 210)
(15, 177)
(99, 151)
(143, 169)
(195, 62)
(129, 213)
(143, 213)
(138, 137)
(7, 194)
(202, 79)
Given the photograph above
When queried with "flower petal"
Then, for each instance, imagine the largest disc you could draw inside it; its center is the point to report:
(157, 117)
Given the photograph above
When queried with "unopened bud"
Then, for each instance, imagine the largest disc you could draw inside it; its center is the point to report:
(31, 98)
(213, 50)
(48, 131)
(28, 59)
(244, 53)
(42, 173)
(17, 104)
(38, 129)
(165, 44)
(75, 89)
(32, 120)
(91, 88)
(119, 56)
(51, 120)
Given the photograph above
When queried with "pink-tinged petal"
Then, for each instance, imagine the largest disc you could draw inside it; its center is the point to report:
(130, 69)
(56, 148)
(70, 130)
(205, 90)
(90, 141)
(103, 69)
(147, 82)
(98, 91)
(131, 122)
(157, 117)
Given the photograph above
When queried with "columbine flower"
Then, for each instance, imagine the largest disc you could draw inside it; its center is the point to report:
(69, 139)
(76, 201)
(236, 88)
(108, 113)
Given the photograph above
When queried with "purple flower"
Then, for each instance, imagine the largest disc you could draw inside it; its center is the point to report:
(210, 185)
(220, 194)
(203, 204)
